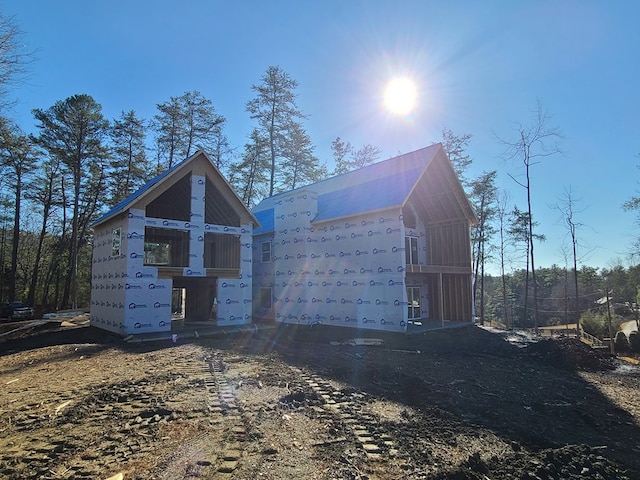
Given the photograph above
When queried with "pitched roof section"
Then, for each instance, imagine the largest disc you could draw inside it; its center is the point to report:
(377, 194)
(125, 203)
(267, 221)
(174, 174)
(380, 186)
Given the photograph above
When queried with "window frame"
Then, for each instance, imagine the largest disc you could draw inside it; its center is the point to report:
(409, 241)
(263, 296)
(266, 251)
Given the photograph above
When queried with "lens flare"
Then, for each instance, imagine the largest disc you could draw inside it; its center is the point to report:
(400, 96)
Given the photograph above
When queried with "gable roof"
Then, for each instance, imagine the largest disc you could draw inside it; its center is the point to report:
(170, 176)
(383, 185)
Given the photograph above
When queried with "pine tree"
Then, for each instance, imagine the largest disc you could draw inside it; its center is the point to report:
(275, 110)
(300, 166)
(483, 196)
(73, 131)
(18, 155)
(248, 176)
(347, 159)
(185, 124)
(130, 168)
(341, 153)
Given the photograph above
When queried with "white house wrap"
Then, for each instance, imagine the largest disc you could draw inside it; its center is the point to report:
(378, 248)
(184, 237)
(384, 247)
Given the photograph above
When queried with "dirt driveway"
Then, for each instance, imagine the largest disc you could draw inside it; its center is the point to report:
(313, 404)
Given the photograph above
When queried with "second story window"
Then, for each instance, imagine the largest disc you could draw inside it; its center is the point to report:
(116, 242)
(266, 252)
(411, 250)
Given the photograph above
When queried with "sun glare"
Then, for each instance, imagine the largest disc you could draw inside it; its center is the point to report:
(400, 96)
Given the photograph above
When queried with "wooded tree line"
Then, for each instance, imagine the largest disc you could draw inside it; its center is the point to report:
(55, 182)
(557, 300)
(522, 295)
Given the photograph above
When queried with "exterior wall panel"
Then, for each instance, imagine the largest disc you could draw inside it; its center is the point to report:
(349, 272)
(129, 297)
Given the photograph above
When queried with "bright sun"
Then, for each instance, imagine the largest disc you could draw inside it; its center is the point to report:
(400, 96)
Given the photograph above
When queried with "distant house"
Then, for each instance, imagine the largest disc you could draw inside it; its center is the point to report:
(383, 247)
(180, 247)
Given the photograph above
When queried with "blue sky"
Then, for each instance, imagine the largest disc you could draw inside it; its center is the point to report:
(481, 68)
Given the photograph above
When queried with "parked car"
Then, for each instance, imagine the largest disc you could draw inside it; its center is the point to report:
(16, 311)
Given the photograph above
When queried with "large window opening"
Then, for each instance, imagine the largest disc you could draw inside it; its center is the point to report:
(217, 209)
(174, 204)
(411, 250)
(413, 299)
(166, 248)
(221, 251)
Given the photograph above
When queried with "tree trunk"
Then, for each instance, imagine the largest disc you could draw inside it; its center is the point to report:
(16, 241)
(482, 286)
(272, 140)
(46, 210)
(526, 286)
(533, 266)
(31, 296)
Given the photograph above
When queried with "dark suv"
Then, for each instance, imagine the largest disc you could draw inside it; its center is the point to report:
(16, 311)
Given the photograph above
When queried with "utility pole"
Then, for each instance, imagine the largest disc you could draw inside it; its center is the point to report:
(611, 342)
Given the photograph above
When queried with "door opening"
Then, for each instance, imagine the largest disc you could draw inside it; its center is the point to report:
(178, 301)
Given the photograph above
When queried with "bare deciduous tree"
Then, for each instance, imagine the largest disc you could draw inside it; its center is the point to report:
(533, 143)
(14, 58)
(502, 216)
(567, 207)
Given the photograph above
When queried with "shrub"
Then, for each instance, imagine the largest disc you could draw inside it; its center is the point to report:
(592, 323)
(634, 342)
(597, 323)
(621, 342)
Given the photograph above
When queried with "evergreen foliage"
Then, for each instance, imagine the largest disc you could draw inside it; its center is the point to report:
(621, 343)
(129, 166)
(73, 132)
(185, 124)
(347, 159)
(634, 342)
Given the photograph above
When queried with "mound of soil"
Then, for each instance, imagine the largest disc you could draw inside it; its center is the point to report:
(314, 403)
(571, 353)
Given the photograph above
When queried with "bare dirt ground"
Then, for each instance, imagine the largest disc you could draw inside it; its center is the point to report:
(289, 404)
